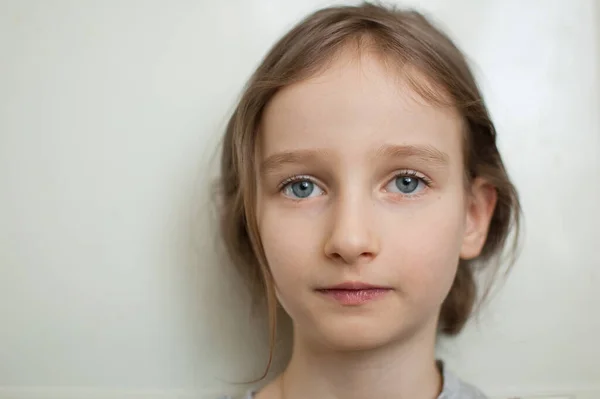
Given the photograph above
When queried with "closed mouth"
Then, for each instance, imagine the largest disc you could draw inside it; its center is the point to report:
(353, 286)
(354, 294)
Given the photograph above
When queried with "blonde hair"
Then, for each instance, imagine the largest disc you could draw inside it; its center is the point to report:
(407, 38)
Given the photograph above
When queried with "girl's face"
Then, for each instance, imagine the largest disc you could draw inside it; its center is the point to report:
(362, 207)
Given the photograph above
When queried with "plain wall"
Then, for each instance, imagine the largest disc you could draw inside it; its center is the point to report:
(110, 113)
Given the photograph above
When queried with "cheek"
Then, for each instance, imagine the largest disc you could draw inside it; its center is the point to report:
(291, 245)
(426, 244)
(287, 251)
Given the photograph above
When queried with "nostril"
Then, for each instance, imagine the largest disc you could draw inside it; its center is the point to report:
(336, 256)
(363, 257)
(367, 255)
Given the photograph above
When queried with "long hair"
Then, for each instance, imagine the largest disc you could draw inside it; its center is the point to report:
(403, 38)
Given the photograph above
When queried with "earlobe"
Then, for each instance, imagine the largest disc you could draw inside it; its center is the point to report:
(480, 209)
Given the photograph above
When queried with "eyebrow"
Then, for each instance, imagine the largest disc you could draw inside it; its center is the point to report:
(307, 157)
(425, 153)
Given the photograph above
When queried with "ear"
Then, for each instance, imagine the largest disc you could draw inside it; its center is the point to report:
(480, 207)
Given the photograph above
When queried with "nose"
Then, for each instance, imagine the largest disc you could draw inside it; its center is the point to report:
(352, 239)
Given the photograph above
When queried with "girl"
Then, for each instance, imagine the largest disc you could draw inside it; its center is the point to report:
(361, 186)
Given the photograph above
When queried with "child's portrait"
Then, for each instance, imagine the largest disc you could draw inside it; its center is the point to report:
(290, 200)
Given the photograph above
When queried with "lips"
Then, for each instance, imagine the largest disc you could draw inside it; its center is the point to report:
(354, 293)
(354, 285)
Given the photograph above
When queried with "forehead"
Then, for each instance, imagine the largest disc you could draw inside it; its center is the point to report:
(355, 106)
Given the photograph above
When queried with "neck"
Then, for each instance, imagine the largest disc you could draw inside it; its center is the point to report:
(398, 370)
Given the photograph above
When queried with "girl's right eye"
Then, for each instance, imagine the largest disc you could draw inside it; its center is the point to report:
(301, 188)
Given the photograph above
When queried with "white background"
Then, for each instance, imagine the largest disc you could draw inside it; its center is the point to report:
(110, 112)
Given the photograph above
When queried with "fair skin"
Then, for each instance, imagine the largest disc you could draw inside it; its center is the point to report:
(376, 196)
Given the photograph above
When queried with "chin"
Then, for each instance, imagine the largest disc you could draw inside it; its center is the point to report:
(356, 335)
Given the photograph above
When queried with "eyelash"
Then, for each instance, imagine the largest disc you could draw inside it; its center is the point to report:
(296, 178)
(401, 173)
(413, 173)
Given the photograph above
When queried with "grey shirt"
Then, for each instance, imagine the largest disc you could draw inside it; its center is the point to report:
(453, 388)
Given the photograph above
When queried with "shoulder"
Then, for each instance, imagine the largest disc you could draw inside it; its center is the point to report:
(248, 395)
(455, 388)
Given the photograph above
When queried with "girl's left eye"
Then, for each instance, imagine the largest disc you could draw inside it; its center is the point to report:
(407, 183)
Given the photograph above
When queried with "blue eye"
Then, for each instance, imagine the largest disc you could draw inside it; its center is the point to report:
(301, 189)
(406, 183)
